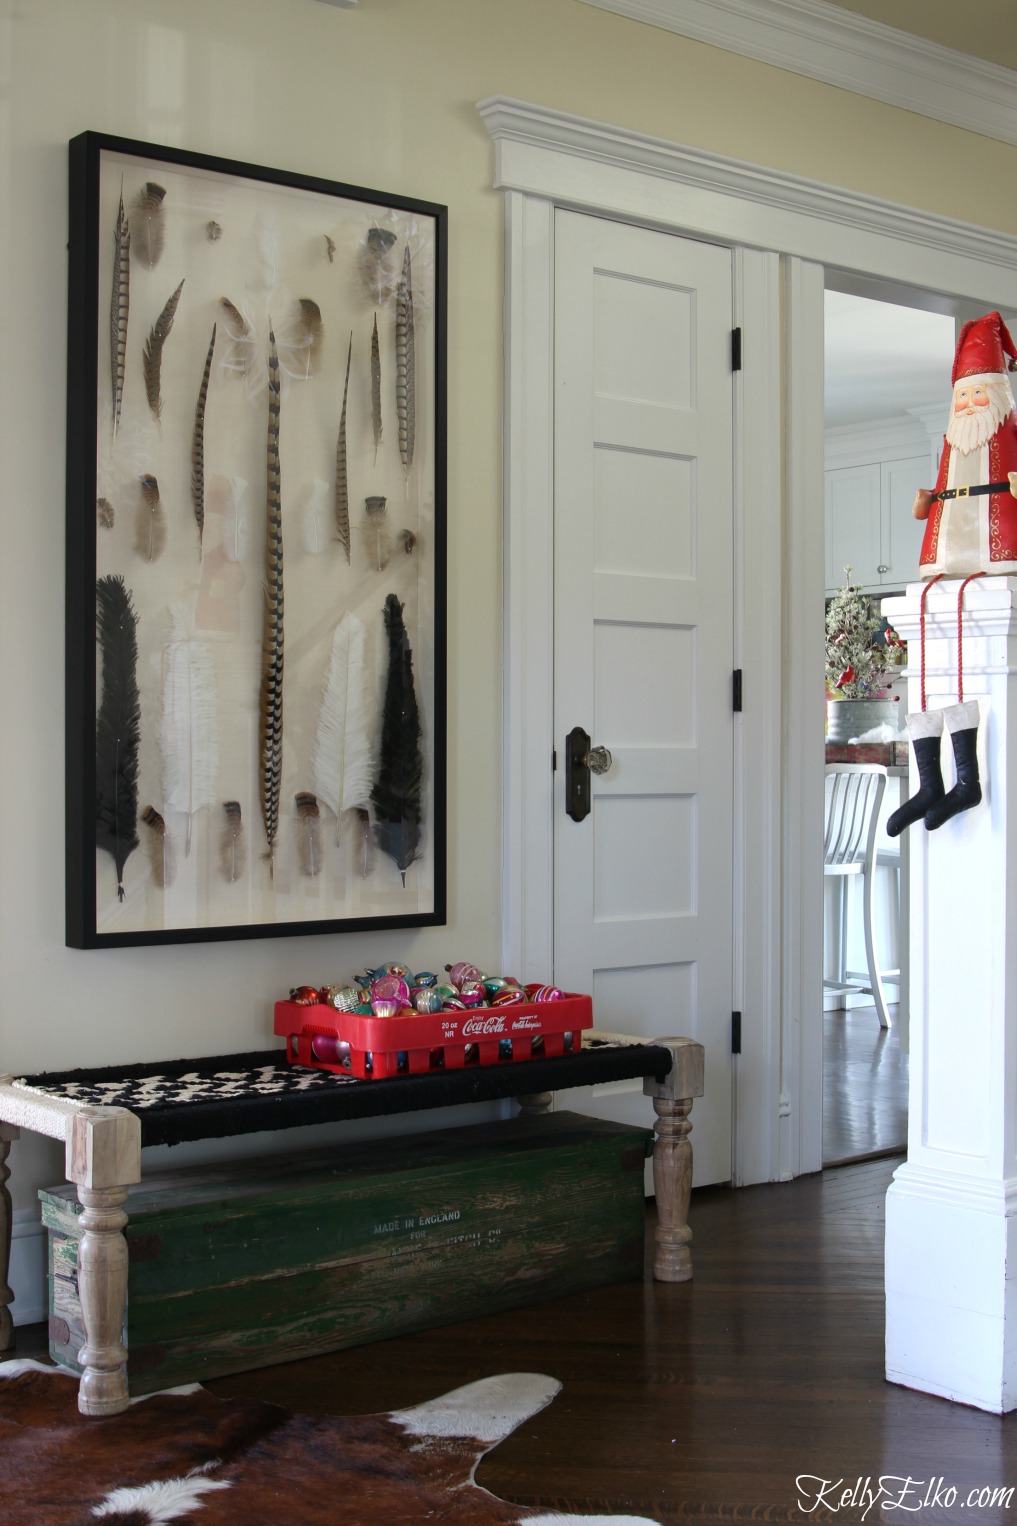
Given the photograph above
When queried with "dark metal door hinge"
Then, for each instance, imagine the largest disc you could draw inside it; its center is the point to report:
(736, 1033)
(736, 690)
(736, 349)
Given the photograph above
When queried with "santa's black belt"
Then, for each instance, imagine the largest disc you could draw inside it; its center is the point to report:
(971, 492)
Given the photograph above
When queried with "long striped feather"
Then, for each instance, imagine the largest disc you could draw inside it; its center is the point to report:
(198, 447)
(189, 723)
(270, 709)
(341, 763)
(120, 302)
(376, 387)
(342, 486)
(406, 397)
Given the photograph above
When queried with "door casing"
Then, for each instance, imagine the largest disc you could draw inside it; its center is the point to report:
(784, 233)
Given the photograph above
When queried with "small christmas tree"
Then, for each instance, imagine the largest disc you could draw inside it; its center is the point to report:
(857, 659)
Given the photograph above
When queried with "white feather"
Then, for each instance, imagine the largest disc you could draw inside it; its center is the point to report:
(234, 541)
(317, 517)
(188, 728)
(341, 763)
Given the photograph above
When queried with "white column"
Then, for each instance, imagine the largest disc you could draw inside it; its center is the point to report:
(951, 1211)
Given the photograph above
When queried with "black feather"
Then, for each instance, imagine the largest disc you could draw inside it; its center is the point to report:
(396, 796)
(117, 725)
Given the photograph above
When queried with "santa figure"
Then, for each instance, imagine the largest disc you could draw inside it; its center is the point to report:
(971, 531)
(972, 512)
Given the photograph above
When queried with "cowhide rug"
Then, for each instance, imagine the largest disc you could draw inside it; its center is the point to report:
(186, 1456)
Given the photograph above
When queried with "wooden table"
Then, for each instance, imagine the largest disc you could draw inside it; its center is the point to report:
(192, 1100)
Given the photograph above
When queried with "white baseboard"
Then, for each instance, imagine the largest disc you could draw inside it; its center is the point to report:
(28, 1268)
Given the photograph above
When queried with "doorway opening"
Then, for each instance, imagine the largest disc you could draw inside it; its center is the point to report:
(887, 362)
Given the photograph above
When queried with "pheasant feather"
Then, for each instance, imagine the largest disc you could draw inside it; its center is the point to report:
(198, 447)
(119, 306)
(117, 725)
(233, 849)
(396, 795)
(161, 849)
(148, 218)
(152, 358)
(376, 388)
(270, 710)
(406, 401)
(309, 820)
(341, 757)
(150, 524)
(342, 487)
(189, 724)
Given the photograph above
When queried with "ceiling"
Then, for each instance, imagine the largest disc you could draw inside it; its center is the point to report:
(882, 360)
(987, 30)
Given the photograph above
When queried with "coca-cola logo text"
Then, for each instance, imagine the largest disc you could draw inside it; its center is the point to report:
(478, 1025)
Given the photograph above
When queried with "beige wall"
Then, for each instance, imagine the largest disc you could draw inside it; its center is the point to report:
(381, 96)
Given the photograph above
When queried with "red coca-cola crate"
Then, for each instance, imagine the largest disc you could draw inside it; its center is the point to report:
(353, 1043)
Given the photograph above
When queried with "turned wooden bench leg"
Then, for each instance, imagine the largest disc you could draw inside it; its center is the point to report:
(7, 1134)
(672, 1157)
(103, 1157)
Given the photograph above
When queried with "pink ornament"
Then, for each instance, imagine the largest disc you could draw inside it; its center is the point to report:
(331, 1051)
(385, 1006)
(460, 972)
(391, 988)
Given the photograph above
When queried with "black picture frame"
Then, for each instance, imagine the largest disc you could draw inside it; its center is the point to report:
(214, 560)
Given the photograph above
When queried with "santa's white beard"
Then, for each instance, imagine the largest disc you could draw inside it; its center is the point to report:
(970, 431)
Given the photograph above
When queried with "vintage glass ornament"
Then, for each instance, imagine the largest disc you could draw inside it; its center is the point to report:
(304, 996)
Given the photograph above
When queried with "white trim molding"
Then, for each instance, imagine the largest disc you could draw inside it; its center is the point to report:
(666, 184)
(825, 42)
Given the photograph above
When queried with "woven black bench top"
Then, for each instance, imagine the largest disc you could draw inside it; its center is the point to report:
(221, 1095)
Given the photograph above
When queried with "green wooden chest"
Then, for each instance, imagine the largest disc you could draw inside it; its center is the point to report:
(263, 1261)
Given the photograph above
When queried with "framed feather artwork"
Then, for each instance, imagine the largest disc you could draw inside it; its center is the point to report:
(256, 552)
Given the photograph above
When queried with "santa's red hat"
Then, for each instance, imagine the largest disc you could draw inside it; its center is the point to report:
(983, 348)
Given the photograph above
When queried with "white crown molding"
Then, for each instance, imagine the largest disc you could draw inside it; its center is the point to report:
(827, 43)
(523, 125)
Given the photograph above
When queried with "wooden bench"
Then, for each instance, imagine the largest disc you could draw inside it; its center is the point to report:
(221, 1096)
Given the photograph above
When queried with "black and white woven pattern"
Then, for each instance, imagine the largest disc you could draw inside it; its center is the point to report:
(159, 1089)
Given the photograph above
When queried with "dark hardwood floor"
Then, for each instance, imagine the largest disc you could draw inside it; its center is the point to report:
(865, 1087)
(706, 1400)
(702, 1401)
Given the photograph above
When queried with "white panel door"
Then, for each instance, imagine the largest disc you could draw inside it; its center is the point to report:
(643, 622)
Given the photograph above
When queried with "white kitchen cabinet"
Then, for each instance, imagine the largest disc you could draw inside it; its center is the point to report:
(869, 526)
